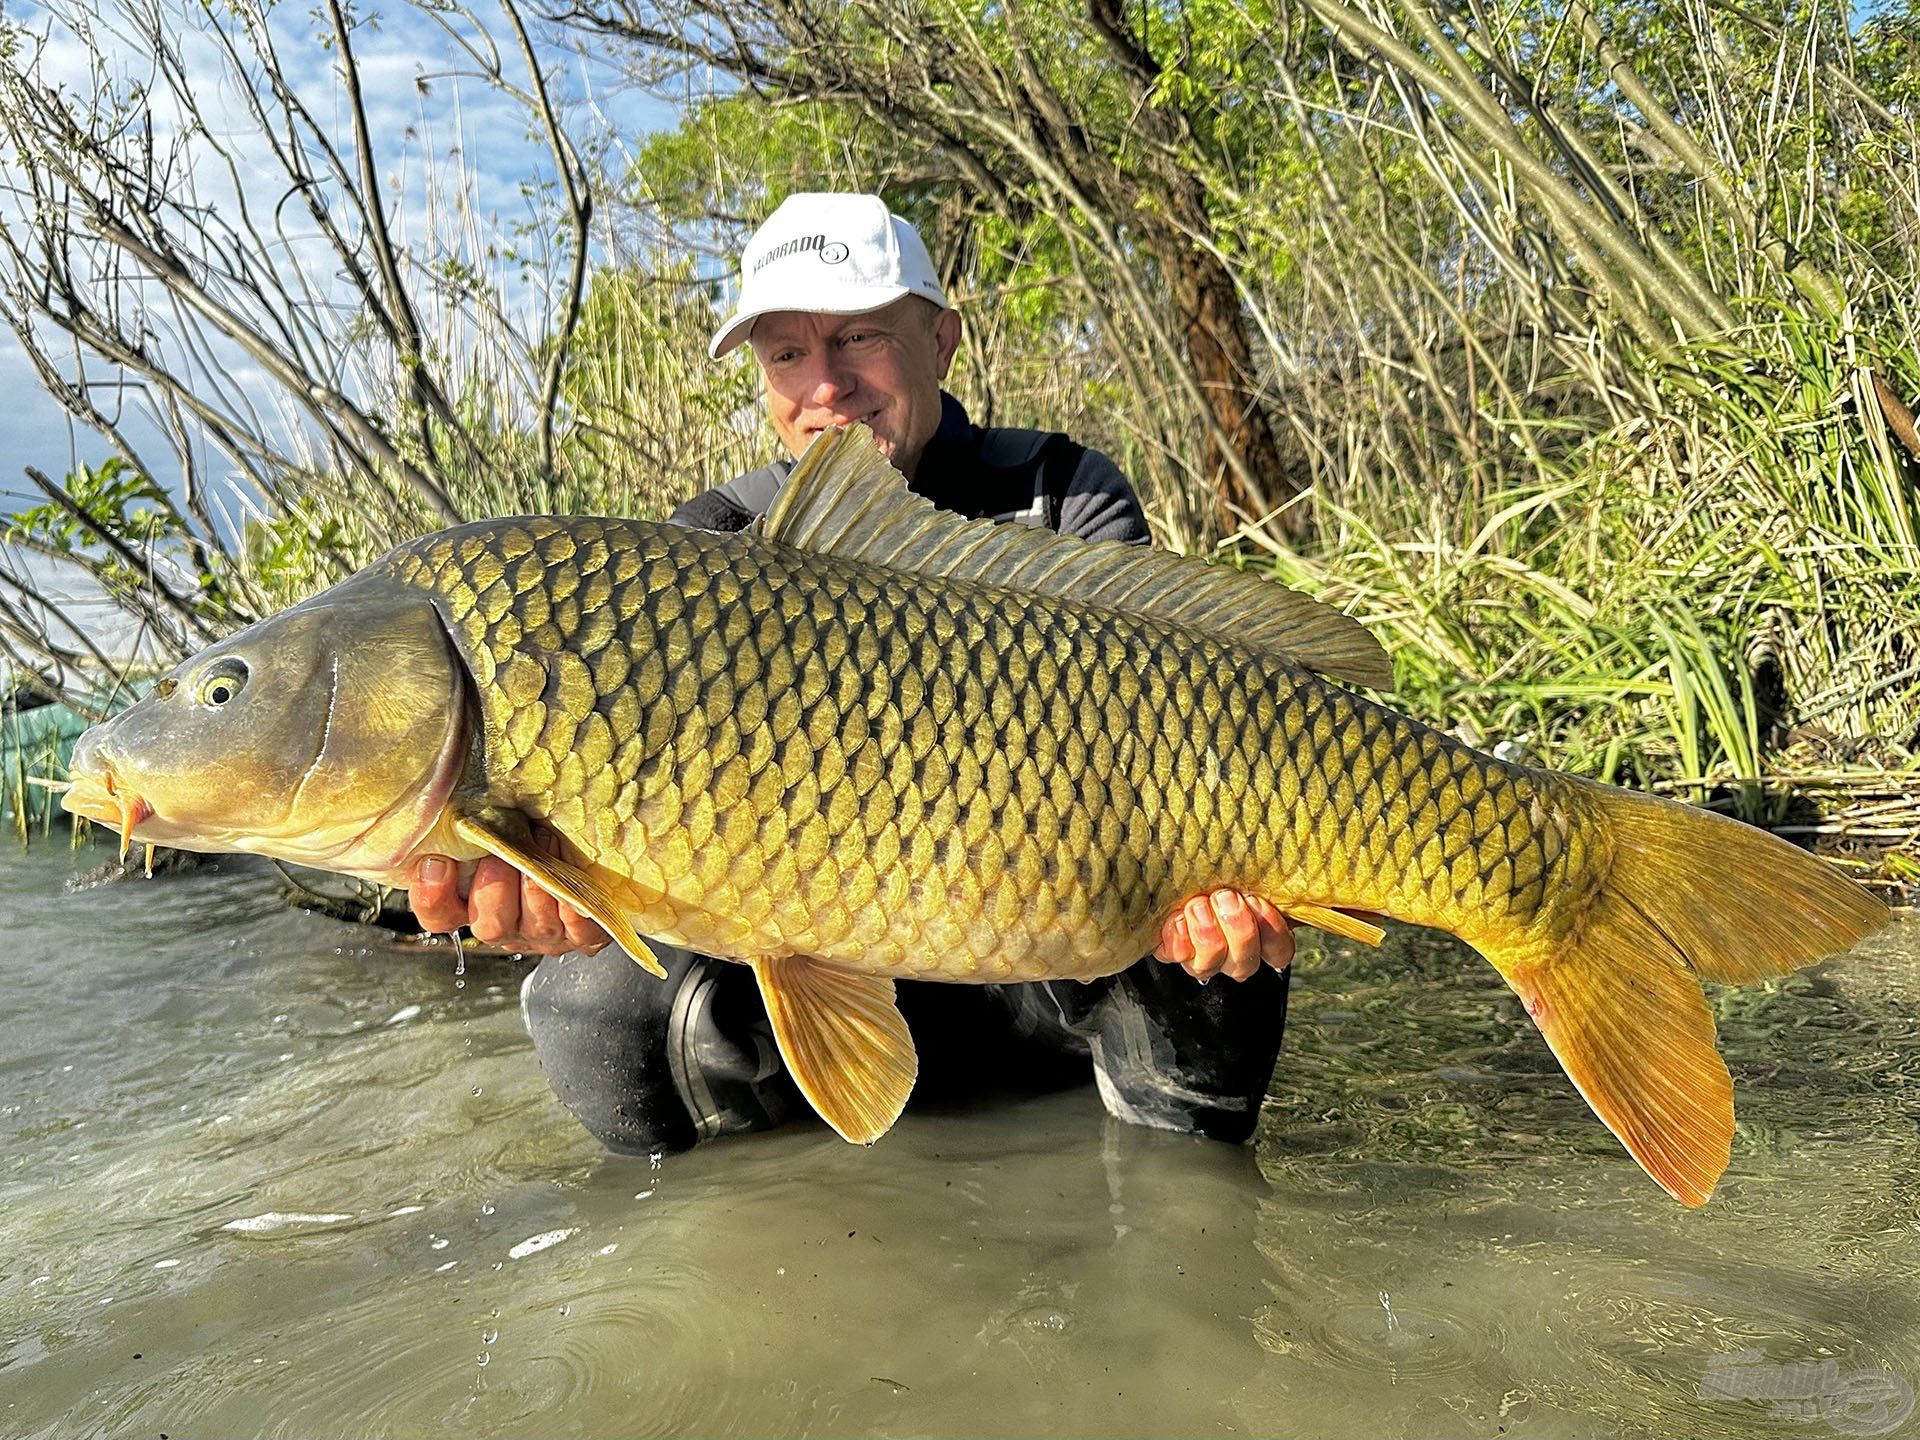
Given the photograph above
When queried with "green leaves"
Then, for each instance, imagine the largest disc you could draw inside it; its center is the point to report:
(114, 497)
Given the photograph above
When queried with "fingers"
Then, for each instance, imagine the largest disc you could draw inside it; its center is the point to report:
(435, 895)
(583, 932)
(1240, 928)
(541, 928)
(1226, 933)
(507, 908)
(500, 907)
(1276, 935)
(1176, 946)
(1211, 950)
(571, 930)
(494, 903)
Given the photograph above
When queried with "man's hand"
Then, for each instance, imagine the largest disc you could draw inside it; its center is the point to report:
(501, 906)
(1225, 933)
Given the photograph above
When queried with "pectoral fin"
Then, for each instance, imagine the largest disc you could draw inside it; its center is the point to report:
(844, 1042)
(588, 888)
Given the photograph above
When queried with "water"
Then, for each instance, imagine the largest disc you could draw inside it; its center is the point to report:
(260, 1178)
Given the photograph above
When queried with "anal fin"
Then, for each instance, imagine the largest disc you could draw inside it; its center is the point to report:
(1337, 922)
(588, 888)
(844, 1042)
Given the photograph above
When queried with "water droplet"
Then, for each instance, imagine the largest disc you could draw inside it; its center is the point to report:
(476, 1091)
(566, 1309)
(1393, 1320)
(486, 1207)
(487, 1337)
(439, 1243)
(482, 1358)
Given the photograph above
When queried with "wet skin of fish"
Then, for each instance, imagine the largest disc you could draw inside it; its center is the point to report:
(871, 739)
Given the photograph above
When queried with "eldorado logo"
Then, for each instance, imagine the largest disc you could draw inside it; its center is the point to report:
(831, 252)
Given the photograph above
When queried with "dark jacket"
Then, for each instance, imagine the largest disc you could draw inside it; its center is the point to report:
(1034, 477)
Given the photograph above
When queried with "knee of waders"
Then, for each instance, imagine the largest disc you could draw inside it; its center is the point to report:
(650, 1065)
(1176, 1055)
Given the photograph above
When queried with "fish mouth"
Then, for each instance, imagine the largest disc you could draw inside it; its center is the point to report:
(99, 795)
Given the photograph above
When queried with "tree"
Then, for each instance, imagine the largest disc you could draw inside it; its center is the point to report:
(1035, 108)
(231, 269)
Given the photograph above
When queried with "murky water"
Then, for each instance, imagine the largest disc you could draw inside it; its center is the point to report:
(261, 1180)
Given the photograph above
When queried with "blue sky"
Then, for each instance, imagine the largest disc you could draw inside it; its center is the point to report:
(417, 110)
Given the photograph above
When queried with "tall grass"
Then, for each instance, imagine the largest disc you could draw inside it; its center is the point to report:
(33, 751)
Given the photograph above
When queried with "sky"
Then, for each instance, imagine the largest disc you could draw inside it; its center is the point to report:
(419, 111)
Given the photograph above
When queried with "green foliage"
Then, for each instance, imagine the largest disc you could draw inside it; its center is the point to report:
(290, 555)
(113, 497)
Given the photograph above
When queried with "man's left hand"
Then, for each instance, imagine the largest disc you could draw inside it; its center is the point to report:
(1225, 933)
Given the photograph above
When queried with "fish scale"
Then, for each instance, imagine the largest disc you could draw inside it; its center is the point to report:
(872, 739)
(940, 779)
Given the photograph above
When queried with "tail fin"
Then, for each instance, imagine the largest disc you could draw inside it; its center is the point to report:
(1684, 896)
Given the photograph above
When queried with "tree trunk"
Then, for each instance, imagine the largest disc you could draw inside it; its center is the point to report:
(1214, 326)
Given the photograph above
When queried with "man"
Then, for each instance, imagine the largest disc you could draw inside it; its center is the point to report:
(849, 324)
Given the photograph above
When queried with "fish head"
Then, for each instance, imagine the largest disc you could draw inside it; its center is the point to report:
(329, 735)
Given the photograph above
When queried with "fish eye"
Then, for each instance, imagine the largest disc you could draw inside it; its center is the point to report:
(221, 683)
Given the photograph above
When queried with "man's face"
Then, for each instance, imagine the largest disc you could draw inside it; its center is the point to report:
(882, 369)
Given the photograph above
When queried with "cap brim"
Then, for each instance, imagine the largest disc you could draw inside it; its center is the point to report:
(730, 336)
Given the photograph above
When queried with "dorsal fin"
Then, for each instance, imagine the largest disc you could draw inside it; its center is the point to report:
(844, 499)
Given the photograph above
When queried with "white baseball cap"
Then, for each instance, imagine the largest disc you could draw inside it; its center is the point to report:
(828, 254)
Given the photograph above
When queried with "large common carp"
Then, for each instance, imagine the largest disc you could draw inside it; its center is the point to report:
(871, 739)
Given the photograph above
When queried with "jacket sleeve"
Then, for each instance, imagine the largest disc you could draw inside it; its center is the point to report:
(734, 505)
(1100, 504)
(710, 510)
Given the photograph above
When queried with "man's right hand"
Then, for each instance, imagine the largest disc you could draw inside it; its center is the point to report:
(501, 907)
